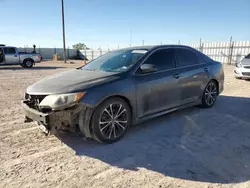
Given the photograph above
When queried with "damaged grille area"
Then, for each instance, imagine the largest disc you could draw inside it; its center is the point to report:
(33, 101)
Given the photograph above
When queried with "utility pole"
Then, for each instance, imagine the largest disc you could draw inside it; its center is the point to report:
(130, 38)
(230, 54)
(201, 45)
(142, 42)
(64, 45)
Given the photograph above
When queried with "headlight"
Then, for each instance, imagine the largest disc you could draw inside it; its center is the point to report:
(60, 101)
(239, 65)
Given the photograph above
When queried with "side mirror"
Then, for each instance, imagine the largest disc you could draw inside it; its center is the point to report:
(147, 68)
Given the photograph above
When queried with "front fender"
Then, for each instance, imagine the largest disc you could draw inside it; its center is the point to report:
(124, 88)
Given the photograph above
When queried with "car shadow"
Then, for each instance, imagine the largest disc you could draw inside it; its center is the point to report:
(33, 68)
(208, 145)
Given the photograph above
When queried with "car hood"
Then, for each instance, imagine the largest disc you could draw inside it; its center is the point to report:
(70, 81)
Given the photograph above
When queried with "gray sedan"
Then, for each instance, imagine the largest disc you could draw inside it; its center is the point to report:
(105, 97)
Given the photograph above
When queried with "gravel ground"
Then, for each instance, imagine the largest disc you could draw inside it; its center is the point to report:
(189, 148)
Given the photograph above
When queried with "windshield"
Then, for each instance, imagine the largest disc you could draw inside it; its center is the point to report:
(116, 61)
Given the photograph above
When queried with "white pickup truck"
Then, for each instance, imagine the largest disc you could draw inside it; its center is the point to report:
(10, 56)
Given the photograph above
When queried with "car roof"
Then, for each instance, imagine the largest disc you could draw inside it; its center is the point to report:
(153, 47)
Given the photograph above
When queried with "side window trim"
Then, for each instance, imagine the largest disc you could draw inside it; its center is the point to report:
(151, 53)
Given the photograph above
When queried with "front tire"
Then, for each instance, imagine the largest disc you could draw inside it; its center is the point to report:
(210, 94)
(111, 120)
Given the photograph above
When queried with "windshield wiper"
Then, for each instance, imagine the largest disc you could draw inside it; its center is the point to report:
(91, 69)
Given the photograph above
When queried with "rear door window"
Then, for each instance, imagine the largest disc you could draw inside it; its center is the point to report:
(9, 50)
(186, 57)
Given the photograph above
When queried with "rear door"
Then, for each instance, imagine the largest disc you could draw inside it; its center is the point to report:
(158, 91)
(193, 74)
(11, 55)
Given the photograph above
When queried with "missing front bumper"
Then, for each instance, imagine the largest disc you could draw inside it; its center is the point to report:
(33, 115)
(72, 119)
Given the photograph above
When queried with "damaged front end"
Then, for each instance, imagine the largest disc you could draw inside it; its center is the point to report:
(74, 118)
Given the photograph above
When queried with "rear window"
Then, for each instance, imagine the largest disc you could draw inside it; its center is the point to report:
(9, 50)
(248, 56)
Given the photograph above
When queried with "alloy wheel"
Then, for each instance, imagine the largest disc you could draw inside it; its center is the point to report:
(113, 121)
(211, 93)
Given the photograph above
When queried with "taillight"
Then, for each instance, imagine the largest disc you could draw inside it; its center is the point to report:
(38, 56)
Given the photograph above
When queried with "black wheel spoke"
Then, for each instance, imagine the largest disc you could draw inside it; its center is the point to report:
(111, 110)
(120, 107)
(118, 115)
(105, 122)
(114, 131)
(105, 126)
(108, 113)
(121, 121)
(120, 125)
(110, 133)
(210, 99)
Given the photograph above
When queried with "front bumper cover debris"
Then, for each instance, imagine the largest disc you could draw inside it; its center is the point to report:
(72, 119)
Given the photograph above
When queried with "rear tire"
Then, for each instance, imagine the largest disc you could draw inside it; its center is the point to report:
(111, 120)
(210, 94)
(28, 63)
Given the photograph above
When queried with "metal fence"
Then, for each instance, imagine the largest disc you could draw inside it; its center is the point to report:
(226, 52)
(92, 54)
(47, 53)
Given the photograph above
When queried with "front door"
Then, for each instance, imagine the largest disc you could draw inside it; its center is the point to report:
(158, 91)
(193, 75)
(11, 55)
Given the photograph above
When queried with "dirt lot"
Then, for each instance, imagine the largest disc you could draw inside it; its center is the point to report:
(190, 148)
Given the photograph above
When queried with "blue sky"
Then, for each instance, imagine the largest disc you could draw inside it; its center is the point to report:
(107, 23)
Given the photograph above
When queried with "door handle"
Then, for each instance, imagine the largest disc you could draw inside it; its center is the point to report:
(176, 76)
(206, 69)
(15, 55)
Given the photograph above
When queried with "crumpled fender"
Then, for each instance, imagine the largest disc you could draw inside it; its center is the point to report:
(85, 120)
